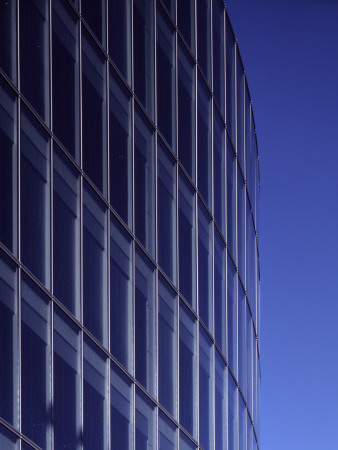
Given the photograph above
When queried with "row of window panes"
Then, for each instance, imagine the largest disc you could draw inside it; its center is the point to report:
(36, 360)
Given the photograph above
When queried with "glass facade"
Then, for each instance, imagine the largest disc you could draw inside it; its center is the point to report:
(129, 262)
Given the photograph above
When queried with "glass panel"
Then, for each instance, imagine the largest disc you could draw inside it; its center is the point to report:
(204, 153)
(66, 77)
(119, 35)
(232, 316)
(204, 37)
(145, 419)
(206, 389)
(240, 110)
(221, 407)
(145, 344)
(219, 171)
(94, 140)
(220, 292)
(231, 199)
(121, 409)
(250, 437)
(9, 373)
(241, 339)
(144, 182)
(249, 336)
(230, 81)
(95, 397)
(35, 364)
(121, 295)
(187, 240)
(166, 73)
(250, 258)
(186, 108)
(166, 211)
(247, 128)
(143, 20)
(186, 21)
(35, 197)
(242, 423)
(205, 292)
(241, 224)
(185, 443)
(8, 440)
(188, 370)
(167, 347)
(8, 165)
(95, 308)
(95, 15)
(233, 415)
(34, 54)
(120, 148)
(67, 383)
(8, 54)
(167, 433)
(218, 52)
(66, 233)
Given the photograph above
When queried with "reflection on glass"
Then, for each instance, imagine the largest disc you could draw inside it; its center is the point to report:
(249, 336)
(206, 388)
(241, 194)
(241, 339)
(95, 15)
(186, 22)
(240, 110)
(231, 199)
(218, 53)
(232, 414)
(220, 292)
(219, 171)
(230, 81)
(35, 364)
(8, 164)
(205, 306)
(35, 197)
(250, 435)
(121, 312)
(221, 404)
(232, 315)
(247, 113)
(8, 440)
(250, 258)
(185, 443)
(242, 425)
(145, 422)
(204, 37)
(8, 39)
(167, 433)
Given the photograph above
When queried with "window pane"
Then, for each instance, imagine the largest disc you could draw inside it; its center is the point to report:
(34, 54)
(121, 312)
(186, 21)
(219, 171)
(166, 211)
(35, 197)
(94, 112)
(242, 423)
(121, 409)
(167, 347)
(231, 199)
(9, 373)
(145, 344)
(120, 148)
(66, 233)
(232, 316)
(232, 414)
(221, 406)
(166, 110)
(67, 383)
(241, 194)
(66, 77)
(8, 54)
(240, 110)
(218, 52)
(250, 257)
(249, 343)
(185, 443)
(230, 81)
(8, 166)
(35, 364)
(205, 292)
(188, 371)
(95, 15)
(95, 397)
(145, 422)
(206, 388)
(95, 306)
(250, 436)
(143, 20)
(204, 37)
(167, 433)
(8, 440)
(241, 339)
(220, 292)
(119, 35)
(144, 182)
(186, 109)
(187, 240)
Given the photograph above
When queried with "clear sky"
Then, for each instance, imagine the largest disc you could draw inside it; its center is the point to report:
(290, 53)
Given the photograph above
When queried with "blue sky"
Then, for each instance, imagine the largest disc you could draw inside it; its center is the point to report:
(290, 53)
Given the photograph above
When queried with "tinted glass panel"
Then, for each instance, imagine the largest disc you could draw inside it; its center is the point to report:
(8, 440)
(219, 171)
(240, 110)
(186, 21)
(185, 443)
(204, 37)
(95, 15)
(220, 292)
(205, 306)
(220, 403)
(241, 194)
(167, 433)
(206, 389)
(232, 316)
(250, 258)
(249, 342)
(145, 426)
(242, 416)
(241, 339)
(8, 39)
(230, 82)
(218, 52)
(232, 414)
(231, 199)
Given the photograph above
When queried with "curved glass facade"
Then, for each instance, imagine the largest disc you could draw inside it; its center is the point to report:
(129, 264)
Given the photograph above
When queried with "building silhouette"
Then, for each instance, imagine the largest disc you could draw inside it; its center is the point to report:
(129, 270)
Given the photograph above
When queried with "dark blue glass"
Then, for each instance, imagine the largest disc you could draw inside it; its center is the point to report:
(145, 343)
(95, 15)
(205, 292)
(8, 440)
(185, 443)
(186, 21)
(247, 114)
(121, 409)
(187, 370)
(220, 291)
(186, 109)
(230, 82)
(34, 54)
(143, 21)
(240, 110)
(8, 54)
(232, 315)
(35, 197)
(249, 342)
(206, 389)
(9, 373)
(218, 52)
(231, 199)
(120, 148)
(35, 364)
(8, 166)
(166, 211)
(121, 309)
(204, 131)
(250, 435)
(66, 232)
(221, 403)
(167, 433)
(119, 35)
(241, 195)
(67, 383)
(232, 414)
(166, 74)
(65, 76)
(95, 308)
(219, 171)
(204, 37)
(94, 140)
(242, 425)
(145, 422)
(250, 258)
(187, 240)
(95, 397)
(242, 339)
